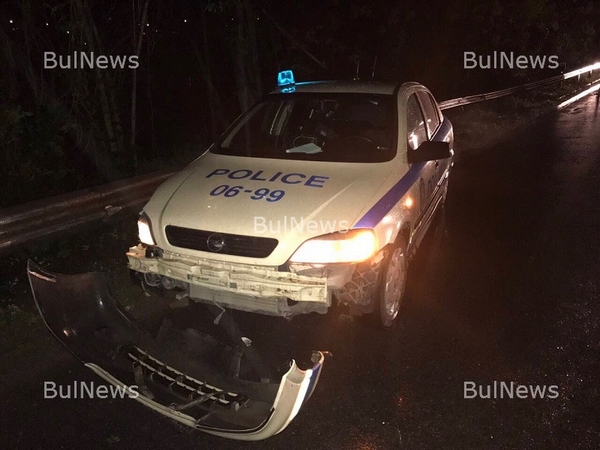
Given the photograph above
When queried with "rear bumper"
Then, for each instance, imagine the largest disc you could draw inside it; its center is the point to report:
(183, 374)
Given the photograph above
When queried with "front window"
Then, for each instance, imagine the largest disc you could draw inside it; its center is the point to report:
(316, 127)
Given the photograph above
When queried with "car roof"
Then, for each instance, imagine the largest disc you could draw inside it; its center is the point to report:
(354, 87)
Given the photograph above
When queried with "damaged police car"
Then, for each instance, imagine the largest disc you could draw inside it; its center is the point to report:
(319, 193)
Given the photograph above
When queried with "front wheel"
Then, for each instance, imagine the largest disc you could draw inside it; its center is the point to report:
(392, 284)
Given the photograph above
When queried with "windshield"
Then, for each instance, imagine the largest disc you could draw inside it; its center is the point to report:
(316, 127)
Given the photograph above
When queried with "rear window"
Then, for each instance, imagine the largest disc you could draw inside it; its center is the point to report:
(317, 127)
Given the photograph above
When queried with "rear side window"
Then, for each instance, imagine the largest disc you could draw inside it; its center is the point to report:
(415, 123)
(431, 112)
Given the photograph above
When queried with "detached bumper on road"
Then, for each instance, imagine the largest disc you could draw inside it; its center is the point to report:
(181, 373)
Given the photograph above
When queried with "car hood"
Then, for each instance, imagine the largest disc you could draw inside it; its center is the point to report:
(304, 199)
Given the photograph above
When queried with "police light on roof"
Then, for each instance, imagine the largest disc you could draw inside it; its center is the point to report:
(285, 78)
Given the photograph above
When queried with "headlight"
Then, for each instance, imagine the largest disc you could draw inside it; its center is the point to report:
(145, 230)
(351, 246)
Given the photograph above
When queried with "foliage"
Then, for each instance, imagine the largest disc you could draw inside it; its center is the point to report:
(201, 62)
(32, 158)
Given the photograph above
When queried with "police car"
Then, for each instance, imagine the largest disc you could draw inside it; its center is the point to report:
(321, 192)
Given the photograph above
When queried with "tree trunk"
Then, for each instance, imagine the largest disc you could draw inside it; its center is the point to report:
(95, 45)
(253, 47)
(245, 59)
(294, 41)
(217, 118)
(239, 59)
(9, 60)
(138, 49)
(218, 122)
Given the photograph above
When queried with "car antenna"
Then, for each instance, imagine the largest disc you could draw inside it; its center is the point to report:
(373, 71)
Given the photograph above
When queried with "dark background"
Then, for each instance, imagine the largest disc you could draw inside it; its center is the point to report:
(202, 62)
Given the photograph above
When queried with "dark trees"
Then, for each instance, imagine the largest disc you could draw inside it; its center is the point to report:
(201, 62)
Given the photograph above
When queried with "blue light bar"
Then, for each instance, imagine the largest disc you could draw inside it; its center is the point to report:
(285, 78)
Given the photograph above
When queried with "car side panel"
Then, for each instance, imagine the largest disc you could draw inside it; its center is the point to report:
(414, 191)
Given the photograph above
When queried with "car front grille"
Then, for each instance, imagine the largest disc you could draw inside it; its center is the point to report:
(223, 243)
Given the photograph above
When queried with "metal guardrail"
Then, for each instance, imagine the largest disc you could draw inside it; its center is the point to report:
(29, 221)
(33, 220)
(447, 104)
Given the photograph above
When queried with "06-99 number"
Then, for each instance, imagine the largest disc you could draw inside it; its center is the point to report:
(258, 194)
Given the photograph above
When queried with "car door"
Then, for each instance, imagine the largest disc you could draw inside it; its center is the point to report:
(433, 121)
(417, 133)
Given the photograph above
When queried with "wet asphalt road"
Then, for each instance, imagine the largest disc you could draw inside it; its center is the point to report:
(506, 288)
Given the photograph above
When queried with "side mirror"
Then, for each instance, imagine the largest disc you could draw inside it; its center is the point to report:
(429, 151)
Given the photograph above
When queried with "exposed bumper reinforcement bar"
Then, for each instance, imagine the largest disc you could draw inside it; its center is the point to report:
(235, 279)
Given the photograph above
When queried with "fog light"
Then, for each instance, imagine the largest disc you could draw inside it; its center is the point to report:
(168, 283)
(152, 279)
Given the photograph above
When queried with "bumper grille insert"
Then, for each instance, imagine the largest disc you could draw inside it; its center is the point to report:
(194, 391)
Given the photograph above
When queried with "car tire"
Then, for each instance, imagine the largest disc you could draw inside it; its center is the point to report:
(391, 286)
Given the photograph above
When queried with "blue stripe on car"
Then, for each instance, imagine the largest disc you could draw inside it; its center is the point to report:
(393, 196)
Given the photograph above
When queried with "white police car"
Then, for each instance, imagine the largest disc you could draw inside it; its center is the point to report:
(322, 191)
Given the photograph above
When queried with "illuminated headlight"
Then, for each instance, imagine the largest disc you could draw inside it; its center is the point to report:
(145, 230)
(351, 246)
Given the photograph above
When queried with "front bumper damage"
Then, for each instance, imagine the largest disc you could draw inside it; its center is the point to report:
(258, 289)
(261, 289)
(181, 373)
(240, 279)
